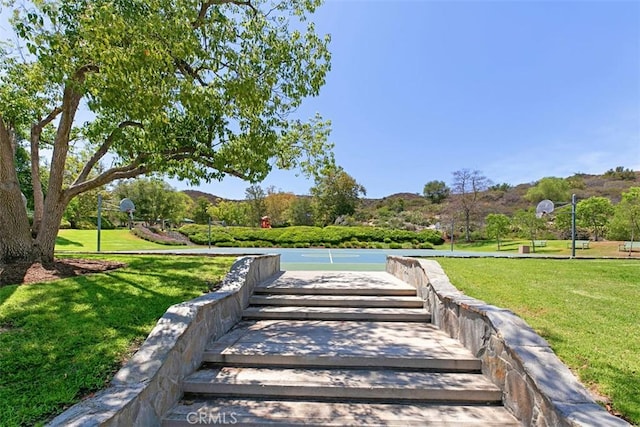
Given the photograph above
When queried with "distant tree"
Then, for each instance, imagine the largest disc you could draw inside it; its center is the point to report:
(500, 187)
(82, 211)
(255, 199)
(276, 205)
(467, 186)
(23, 169)
(300, 211)
(497, 226)
(594, 214)
(436, 191)
(181, 206)
(231, 213)
(155, 200)
(200, 210)
(551, 188)
(529, 224)
(625, 224)
(622, 173)
(562, 220)
(336, 193)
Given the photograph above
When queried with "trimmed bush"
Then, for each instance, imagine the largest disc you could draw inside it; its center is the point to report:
(307, 236)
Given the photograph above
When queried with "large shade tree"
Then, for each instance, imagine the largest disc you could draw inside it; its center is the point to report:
(193, 89)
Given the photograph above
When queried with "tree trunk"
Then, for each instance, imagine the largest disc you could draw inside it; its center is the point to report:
(38, 195)
(46, 239)
(15, 234)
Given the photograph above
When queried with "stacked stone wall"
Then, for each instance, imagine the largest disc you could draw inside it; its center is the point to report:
(537, 387)
(150, 384)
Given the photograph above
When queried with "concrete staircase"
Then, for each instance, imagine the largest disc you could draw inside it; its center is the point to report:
(336, 349)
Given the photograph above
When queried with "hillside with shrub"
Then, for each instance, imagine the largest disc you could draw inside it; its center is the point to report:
(415, 212)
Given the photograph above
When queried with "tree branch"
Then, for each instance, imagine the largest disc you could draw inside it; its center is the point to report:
(103, 149)
(206, 5)
(187, 70)
(124, 172)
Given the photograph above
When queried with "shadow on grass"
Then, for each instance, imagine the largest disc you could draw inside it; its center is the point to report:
(75, 333)
(66, 242)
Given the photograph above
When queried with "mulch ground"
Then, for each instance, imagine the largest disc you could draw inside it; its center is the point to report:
(26, 273)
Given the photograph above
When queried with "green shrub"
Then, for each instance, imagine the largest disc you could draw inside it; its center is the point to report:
(331, 236)
(157, 237)
(395, 246)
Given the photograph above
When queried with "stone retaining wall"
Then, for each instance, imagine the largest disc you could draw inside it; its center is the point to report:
(537, 387)
(150, 383)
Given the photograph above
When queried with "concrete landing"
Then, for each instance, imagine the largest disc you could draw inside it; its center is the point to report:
(341, 344)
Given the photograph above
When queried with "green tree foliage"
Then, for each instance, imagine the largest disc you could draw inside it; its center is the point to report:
(336, 193)
(300, 211)
(255, 199)
(550, 188)
(594, 214)
(467, 186)
(195, 90)
(277, 203)
(503, 188)
(497, 226)
(155, 200)
(622, 173)
(200, 212)
(625, 224)
(529, 225)
(436, 191)
(231, 213)
(23, 169)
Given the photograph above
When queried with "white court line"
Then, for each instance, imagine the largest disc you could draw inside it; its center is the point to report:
(330, 257)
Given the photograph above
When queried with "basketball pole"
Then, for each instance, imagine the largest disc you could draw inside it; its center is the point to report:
(99, 218)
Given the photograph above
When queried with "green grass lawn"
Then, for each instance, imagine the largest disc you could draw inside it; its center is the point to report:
(62, 340)
(110, 240)
(553, 248)
(588, 310)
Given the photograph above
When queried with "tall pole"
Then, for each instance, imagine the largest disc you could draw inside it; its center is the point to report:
(99, 218)
(573, 226)
(452, 228)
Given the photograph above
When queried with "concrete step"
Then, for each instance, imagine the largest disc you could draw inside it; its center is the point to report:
(337, 313)
(337, 300)
(270, 412)
(341, 344)
(373, 385)
(331, 290)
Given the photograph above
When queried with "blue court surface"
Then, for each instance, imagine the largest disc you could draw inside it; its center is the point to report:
(329, 259)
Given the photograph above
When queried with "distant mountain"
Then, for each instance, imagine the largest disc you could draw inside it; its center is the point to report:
(195, 195)
(502, 199)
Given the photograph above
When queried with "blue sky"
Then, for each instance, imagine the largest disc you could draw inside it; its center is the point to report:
(518, 90)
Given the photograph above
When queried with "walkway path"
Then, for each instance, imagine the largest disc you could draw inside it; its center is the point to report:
(335, 349)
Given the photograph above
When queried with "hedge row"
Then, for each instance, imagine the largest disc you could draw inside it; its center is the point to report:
(305, 236)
